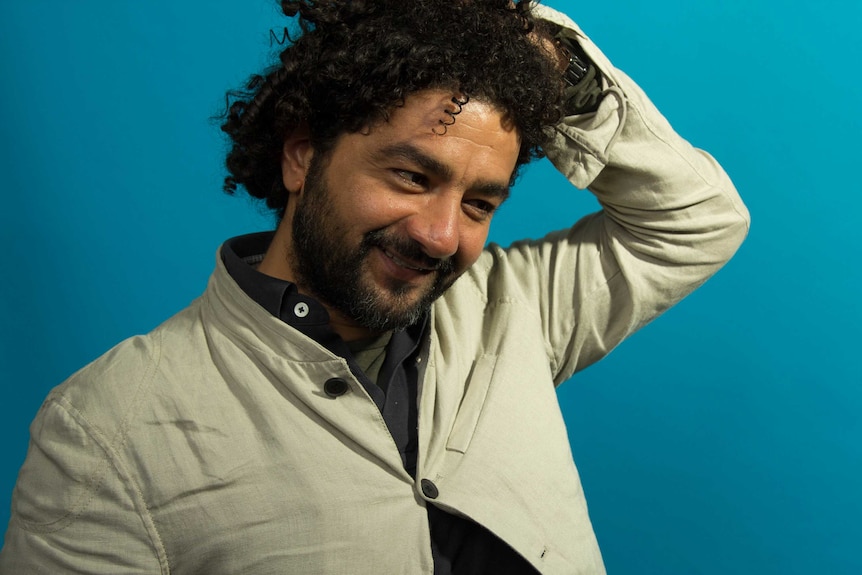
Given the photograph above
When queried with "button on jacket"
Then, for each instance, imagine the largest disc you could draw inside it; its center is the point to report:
(226, 442)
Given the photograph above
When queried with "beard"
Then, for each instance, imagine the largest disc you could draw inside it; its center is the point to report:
(335, 272)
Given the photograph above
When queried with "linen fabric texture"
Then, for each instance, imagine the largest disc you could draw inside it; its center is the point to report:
(210, 445)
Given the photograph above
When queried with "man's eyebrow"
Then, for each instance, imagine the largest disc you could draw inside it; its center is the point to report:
(412, 154)
(491, 190)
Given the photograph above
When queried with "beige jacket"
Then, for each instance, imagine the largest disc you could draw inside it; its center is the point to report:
(210, 447)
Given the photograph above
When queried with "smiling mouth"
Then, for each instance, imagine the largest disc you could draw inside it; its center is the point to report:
(407, 265)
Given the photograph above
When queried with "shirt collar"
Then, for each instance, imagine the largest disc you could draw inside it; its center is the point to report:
(242, 255)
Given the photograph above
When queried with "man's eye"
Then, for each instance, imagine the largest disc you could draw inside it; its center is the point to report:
(480, 209)
(412, 178)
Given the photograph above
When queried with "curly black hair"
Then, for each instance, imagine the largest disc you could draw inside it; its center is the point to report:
(355, 60)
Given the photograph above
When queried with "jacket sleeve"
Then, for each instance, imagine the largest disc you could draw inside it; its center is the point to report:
(73, 509)
(670, 218)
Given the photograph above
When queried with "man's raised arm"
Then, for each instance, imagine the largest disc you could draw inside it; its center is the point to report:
(671, 218)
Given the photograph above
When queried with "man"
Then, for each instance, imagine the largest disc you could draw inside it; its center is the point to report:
(370, 389)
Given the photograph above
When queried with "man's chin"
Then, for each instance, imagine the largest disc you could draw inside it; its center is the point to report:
(394, 304)
(382, 320)
(390, 309)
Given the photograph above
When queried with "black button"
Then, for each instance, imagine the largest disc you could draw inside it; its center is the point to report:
(335, 387)
(429, 489)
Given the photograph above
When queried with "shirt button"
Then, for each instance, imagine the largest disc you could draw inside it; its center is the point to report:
(335, 387)
(301, 309)
(429, 489)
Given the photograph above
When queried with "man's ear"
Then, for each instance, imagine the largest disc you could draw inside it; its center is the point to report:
(296, 156)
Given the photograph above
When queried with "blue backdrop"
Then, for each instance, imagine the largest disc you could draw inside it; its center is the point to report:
(723, 438)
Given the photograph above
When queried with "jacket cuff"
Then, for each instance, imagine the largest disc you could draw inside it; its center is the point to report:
(580, 143)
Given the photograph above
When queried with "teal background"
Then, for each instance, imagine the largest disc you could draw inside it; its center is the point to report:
(723, 438)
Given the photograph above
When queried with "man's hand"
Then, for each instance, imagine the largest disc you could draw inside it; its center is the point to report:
(582, 81)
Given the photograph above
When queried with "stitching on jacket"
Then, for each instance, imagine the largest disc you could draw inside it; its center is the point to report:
(111, 458)
(92, 483)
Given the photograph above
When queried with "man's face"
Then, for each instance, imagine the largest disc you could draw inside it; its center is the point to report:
(386, 221)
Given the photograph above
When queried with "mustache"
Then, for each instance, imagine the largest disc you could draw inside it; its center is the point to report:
(409, 249)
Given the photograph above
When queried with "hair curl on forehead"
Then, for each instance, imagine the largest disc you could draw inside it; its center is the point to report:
(354, 61)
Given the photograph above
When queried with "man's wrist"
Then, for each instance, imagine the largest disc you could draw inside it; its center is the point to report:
(583, 79)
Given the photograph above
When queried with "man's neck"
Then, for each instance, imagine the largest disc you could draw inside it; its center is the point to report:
(275, 264)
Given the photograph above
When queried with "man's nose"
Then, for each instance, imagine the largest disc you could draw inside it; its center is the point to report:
(436, 226)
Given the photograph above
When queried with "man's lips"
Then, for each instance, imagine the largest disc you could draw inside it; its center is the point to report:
(407, 264)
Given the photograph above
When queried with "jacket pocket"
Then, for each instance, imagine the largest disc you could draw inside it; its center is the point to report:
(472, 403)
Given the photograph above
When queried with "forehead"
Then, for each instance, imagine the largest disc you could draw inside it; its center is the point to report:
(441, 112)
(466, 135)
